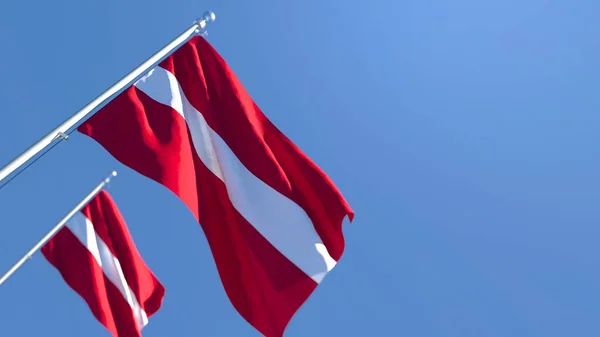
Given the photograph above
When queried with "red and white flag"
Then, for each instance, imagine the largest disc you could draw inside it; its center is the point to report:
(272, 217)
(96, 256)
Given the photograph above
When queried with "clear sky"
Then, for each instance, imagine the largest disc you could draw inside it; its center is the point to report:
(463, 133)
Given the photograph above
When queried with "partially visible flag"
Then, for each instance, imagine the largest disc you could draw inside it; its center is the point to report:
(97, 257)
(272, 217)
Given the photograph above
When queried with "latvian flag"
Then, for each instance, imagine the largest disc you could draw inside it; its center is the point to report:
(272, 217)
(97, 257)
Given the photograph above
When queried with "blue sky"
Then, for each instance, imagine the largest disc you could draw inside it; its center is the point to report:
(463, 133)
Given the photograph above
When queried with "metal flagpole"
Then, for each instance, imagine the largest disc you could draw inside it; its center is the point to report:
(61, 132)
(58, 227)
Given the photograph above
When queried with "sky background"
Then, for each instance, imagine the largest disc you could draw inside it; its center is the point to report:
(463, 133)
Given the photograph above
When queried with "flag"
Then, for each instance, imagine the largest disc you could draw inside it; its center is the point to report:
(97, 257)
(272, 217)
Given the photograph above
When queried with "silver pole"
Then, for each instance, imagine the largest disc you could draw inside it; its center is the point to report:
(58, 227)
(60, 132)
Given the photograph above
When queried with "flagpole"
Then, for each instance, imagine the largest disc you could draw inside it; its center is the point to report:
(61, 132)
(57, 227)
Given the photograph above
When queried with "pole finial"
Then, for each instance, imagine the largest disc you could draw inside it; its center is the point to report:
(112, 175)
(207, 17)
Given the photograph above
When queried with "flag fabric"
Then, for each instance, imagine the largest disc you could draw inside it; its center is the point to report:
(97, 258)
(272, 217)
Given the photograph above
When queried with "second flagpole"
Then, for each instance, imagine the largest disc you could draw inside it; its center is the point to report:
(57, 227)
(60, 132)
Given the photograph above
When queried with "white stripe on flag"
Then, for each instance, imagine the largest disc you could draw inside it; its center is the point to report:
(278, 219)
(83, 229)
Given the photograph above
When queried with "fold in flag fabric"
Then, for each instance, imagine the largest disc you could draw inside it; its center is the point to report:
(272, 217)
(97, 258)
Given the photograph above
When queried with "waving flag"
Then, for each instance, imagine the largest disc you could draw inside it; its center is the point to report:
(96, 256)
(272, 217)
